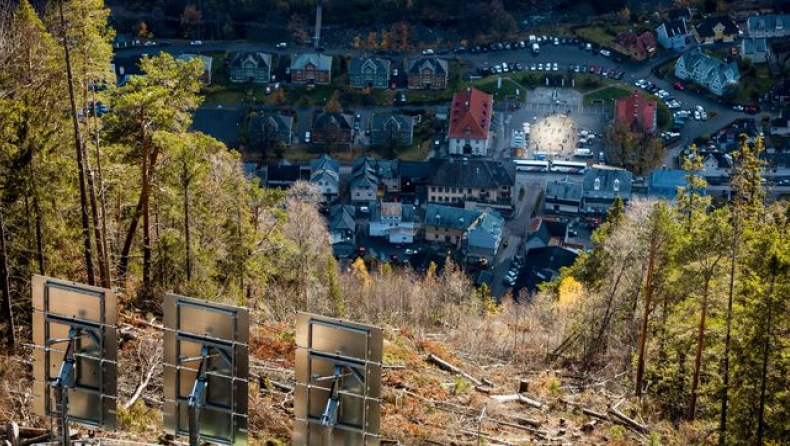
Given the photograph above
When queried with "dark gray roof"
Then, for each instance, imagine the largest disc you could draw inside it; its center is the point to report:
(280, 123)
(705, 27)
(563, 190)
(472, 173)
(401, 123)
(259, 59)
(341, 120)
(320, 61)
(543, 264)
(415, 169)
(676, 28)
(279, 174)
(325, 162)
(341, 218)
(450, 217)
(611, 183)
(357, 64)
(438, 66)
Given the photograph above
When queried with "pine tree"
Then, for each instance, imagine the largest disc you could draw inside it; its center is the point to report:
(159, 101)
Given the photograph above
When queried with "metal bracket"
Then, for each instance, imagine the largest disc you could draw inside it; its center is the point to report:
(62, 383)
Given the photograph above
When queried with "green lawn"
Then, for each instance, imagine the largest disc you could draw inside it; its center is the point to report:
(607, 95)
(753, 83)
(601, 34)
(225, 97)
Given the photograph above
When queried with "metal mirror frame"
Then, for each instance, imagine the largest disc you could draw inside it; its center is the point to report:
(206, 354)
(75, 352)
(338, 382)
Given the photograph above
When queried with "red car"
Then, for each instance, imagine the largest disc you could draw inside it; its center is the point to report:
(751, 109)
(592, 69)
(678, 86)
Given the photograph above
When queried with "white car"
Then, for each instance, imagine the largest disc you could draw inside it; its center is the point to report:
(697, 115)
(427, 52)
(540, 67)
(673, 105)
(606, 53)
(281, 45)
(640, 83)
(307, 136)
(196, 43)
(699, 108)
(555, 67)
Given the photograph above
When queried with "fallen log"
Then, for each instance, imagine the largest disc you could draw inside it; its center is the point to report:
(592, 413)
(487, 437)
(481, 389)
(520, 398)
(25, 432)
(537, 432)
(444, 365)
(630, 422)
(529, 421)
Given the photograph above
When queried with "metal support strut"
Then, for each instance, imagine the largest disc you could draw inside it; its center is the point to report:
(197, 399)
(61, 385)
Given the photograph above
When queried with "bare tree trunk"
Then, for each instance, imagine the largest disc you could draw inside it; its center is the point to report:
(86, 233)
(37, 218)
(187, 237)
(146, 212)
(728, 337)
(764, 371)
(123, 264)
(6, 310)
(104, 272)
(640, 365)
(700, 344)
(101, 243)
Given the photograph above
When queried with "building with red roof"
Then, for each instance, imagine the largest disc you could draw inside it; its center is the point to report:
(470, 118)
(637, 113)
(637, 47)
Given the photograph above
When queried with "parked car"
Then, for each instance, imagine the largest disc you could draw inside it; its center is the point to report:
(751, 109)
(678, 86)
(606, 53)
(196, 43)
(427, 52)
(307, 136)
(281, 45)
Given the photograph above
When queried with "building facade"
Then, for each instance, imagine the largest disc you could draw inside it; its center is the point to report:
(470, 119)
(311, 69)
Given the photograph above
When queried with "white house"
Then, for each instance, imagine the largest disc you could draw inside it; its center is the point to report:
(711, 73)
(325, 175)
(773, 25)
(755, 49)
(674, 35)
(393, 220)
(470, 117)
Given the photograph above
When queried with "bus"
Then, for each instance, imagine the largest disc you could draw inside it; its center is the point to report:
(572, 167)
(531, 166)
